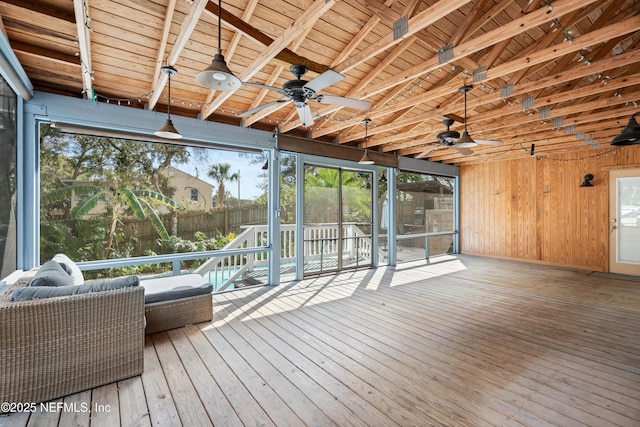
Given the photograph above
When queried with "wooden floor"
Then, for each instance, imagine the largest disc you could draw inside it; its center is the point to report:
(461, 342)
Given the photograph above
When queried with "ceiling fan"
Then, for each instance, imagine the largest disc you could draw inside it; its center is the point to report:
(462, 143)
(300, 91)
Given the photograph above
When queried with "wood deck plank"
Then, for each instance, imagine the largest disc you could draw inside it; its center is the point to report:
(304, 358)
(46, 417)
(162, 408)
(463, 341)
(241, 399)
(77, 409)
(512, 360)
(105, 408)
(214, 400)
(292, 386)
(550, 397)
(400, 407)
(132, 403)
(259, 387)
(397, 367)
(190, 408)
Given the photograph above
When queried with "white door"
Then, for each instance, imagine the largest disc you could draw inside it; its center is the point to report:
(624, 221)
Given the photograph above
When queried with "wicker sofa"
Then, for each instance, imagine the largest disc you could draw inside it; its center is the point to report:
(58, 346)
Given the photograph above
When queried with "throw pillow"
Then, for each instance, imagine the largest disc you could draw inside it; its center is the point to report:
(71, 268)
(51, 273)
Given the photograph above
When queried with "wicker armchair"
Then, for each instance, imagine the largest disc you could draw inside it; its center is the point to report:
(59, 346)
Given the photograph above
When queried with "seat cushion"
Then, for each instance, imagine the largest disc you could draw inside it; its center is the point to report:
(169, 288)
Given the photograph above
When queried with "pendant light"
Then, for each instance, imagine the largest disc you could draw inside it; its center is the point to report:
(630, 135)
(218, 76)
(465, 140)
(168, 130)
(366, 160)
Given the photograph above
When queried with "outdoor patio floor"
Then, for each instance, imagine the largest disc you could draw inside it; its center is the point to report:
(463, 341)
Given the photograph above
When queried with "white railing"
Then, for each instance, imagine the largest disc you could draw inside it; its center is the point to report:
(320, 241)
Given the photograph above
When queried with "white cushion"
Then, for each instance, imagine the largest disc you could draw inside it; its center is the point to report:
(76, 275)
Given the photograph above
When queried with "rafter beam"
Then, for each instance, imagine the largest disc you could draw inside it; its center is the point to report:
(417, 23)
(628, 26)
(81, 12)
(168, 18)
(508, 30)
(304, 21)
(186, 30)
(285, 58)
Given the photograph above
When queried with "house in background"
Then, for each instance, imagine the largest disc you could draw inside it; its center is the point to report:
(191, 192)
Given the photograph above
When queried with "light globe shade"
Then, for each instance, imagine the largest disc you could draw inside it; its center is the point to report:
(217, 76)
(465, 141)
(168, 131)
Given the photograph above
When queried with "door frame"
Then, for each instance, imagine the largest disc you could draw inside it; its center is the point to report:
(340, 220)
(613, 221)
(303, 159)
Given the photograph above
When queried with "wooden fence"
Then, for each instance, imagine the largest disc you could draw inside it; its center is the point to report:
(184, 224)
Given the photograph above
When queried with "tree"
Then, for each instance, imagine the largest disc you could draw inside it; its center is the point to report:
(140, 202)
(220, 173)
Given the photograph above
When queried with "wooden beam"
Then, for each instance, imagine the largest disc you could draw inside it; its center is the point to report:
(306, 20)
(625, 27)
(186, 30)
(43, 9)
(508, 30)
(81, 12)
(285, 58)
(416, 23)
(45, 53)
(168, 19)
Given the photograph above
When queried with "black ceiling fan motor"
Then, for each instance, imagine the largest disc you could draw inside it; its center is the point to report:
(295, 89)
(448, 137)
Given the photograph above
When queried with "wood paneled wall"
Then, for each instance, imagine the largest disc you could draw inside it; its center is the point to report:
(534, 210)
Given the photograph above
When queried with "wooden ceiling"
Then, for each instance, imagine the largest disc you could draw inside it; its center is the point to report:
(560, 74)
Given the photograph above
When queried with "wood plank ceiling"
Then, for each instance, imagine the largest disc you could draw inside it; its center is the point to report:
(560, 74)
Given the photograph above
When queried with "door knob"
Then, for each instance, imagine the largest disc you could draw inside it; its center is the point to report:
(613, 227)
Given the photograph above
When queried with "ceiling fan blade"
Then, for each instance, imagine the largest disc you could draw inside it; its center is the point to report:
(262, 107)
(261, 86)
(343, 102)
(304, 112)
(463, 150)
(428, 150)
(488, 142)
(325, 79)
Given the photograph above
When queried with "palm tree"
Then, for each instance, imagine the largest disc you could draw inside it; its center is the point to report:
(220, 173)
(118, 200)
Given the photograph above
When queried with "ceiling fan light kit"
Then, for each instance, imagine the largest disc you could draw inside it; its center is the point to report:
(168, 130)
(217, 75)
(630, 135)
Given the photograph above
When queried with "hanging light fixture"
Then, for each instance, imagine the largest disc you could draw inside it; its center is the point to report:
(217, 75)
(630, 135)
(366, 160)
(168, 130)
(465, 140)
